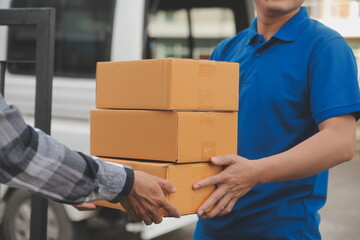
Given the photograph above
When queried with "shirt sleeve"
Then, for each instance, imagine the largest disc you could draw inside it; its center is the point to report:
(333, 81)
(32, 160)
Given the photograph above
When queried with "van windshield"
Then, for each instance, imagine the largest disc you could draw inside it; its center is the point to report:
(82, 38)
(192, 28)
(170, 30)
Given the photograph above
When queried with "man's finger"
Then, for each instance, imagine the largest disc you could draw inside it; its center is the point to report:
(147, 220)
(166, 185)
(211, 201)
(170, 209)
(216, 179)
(130, 210)
(223, 160)
(229, 207)
(134, 216)
(155, 217)
(219, 207)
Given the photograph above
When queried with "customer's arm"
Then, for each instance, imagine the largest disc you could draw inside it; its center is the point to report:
(33, 160)
(332, 145)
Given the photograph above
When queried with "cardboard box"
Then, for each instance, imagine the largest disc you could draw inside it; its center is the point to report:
(182, 176)
(162, 135)
(168, 84)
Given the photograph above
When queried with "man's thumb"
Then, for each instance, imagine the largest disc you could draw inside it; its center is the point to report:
(222, 160)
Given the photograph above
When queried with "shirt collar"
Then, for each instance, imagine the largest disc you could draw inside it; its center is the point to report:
(288, 32)
(252, 31)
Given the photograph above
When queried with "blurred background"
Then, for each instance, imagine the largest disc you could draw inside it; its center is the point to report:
(88, 31)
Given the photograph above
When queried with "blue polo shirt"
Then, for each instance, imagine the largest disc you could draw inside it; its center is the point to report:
(305, 74)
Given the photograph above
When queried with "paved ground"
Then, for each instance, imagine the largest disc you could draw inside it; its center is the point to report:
(340, 217)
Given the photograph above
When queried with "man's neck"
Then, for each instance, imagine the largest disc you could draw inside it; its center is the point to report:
(268, 25)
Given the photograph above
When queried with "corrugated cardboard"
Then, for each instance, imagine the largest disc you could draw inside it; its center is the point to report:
(182, 176)
(168, 84)
(163, 135)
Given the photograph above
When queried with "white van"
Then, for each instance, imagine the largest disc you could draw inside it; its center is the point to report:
(88, 31)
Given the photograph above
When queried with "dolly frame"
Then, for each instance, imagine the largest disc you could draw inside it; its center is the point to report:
(44, 20)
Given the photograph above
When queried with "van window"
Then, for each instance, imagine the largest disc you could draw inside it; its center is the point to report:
(83, 37)
(171, 30)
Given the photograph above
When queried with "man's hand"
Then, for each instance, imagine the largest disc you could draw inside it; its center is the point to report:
(147, 199)
(233, 182)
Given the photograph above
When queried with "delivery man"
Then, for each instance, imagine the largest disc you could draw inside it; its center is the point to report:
(299, 101)
(32, 160)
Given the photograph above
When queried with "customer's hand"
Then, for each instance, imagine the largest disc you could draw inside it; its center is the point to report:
(147, 199)
(232, 183)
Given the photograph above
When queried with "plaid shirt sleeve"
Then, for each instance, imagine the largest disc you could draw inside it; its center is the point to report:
(32, 160)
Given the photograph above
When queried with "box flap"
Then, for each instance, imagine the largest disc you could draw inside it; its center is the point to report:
(156, 169)
(131, 84)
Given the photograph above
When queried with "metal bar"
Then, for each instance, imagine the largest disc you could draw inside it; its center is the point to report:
(21, 16)
(43, 98)
(44, 69)
(2, 76)
(191, 36)
(44, 20)
(146, 51)
(38, 222)
(2, 89)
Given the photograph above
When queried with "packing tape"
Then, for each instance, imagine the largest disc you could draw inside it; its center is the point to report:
(206, 94)
(206, 99)
(207, 119)
(208, 150)
(207, 122)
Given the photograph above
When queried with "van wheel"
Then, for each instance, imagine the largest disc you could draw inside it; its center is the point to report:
(17, 220)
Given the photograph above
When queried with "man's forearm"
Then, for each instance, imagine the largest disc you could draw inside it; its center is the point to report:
(334, 144)
(32, 160)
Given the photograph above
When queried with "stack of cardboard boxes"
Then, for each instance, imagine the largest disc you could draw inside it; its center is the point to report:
(167, 117)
